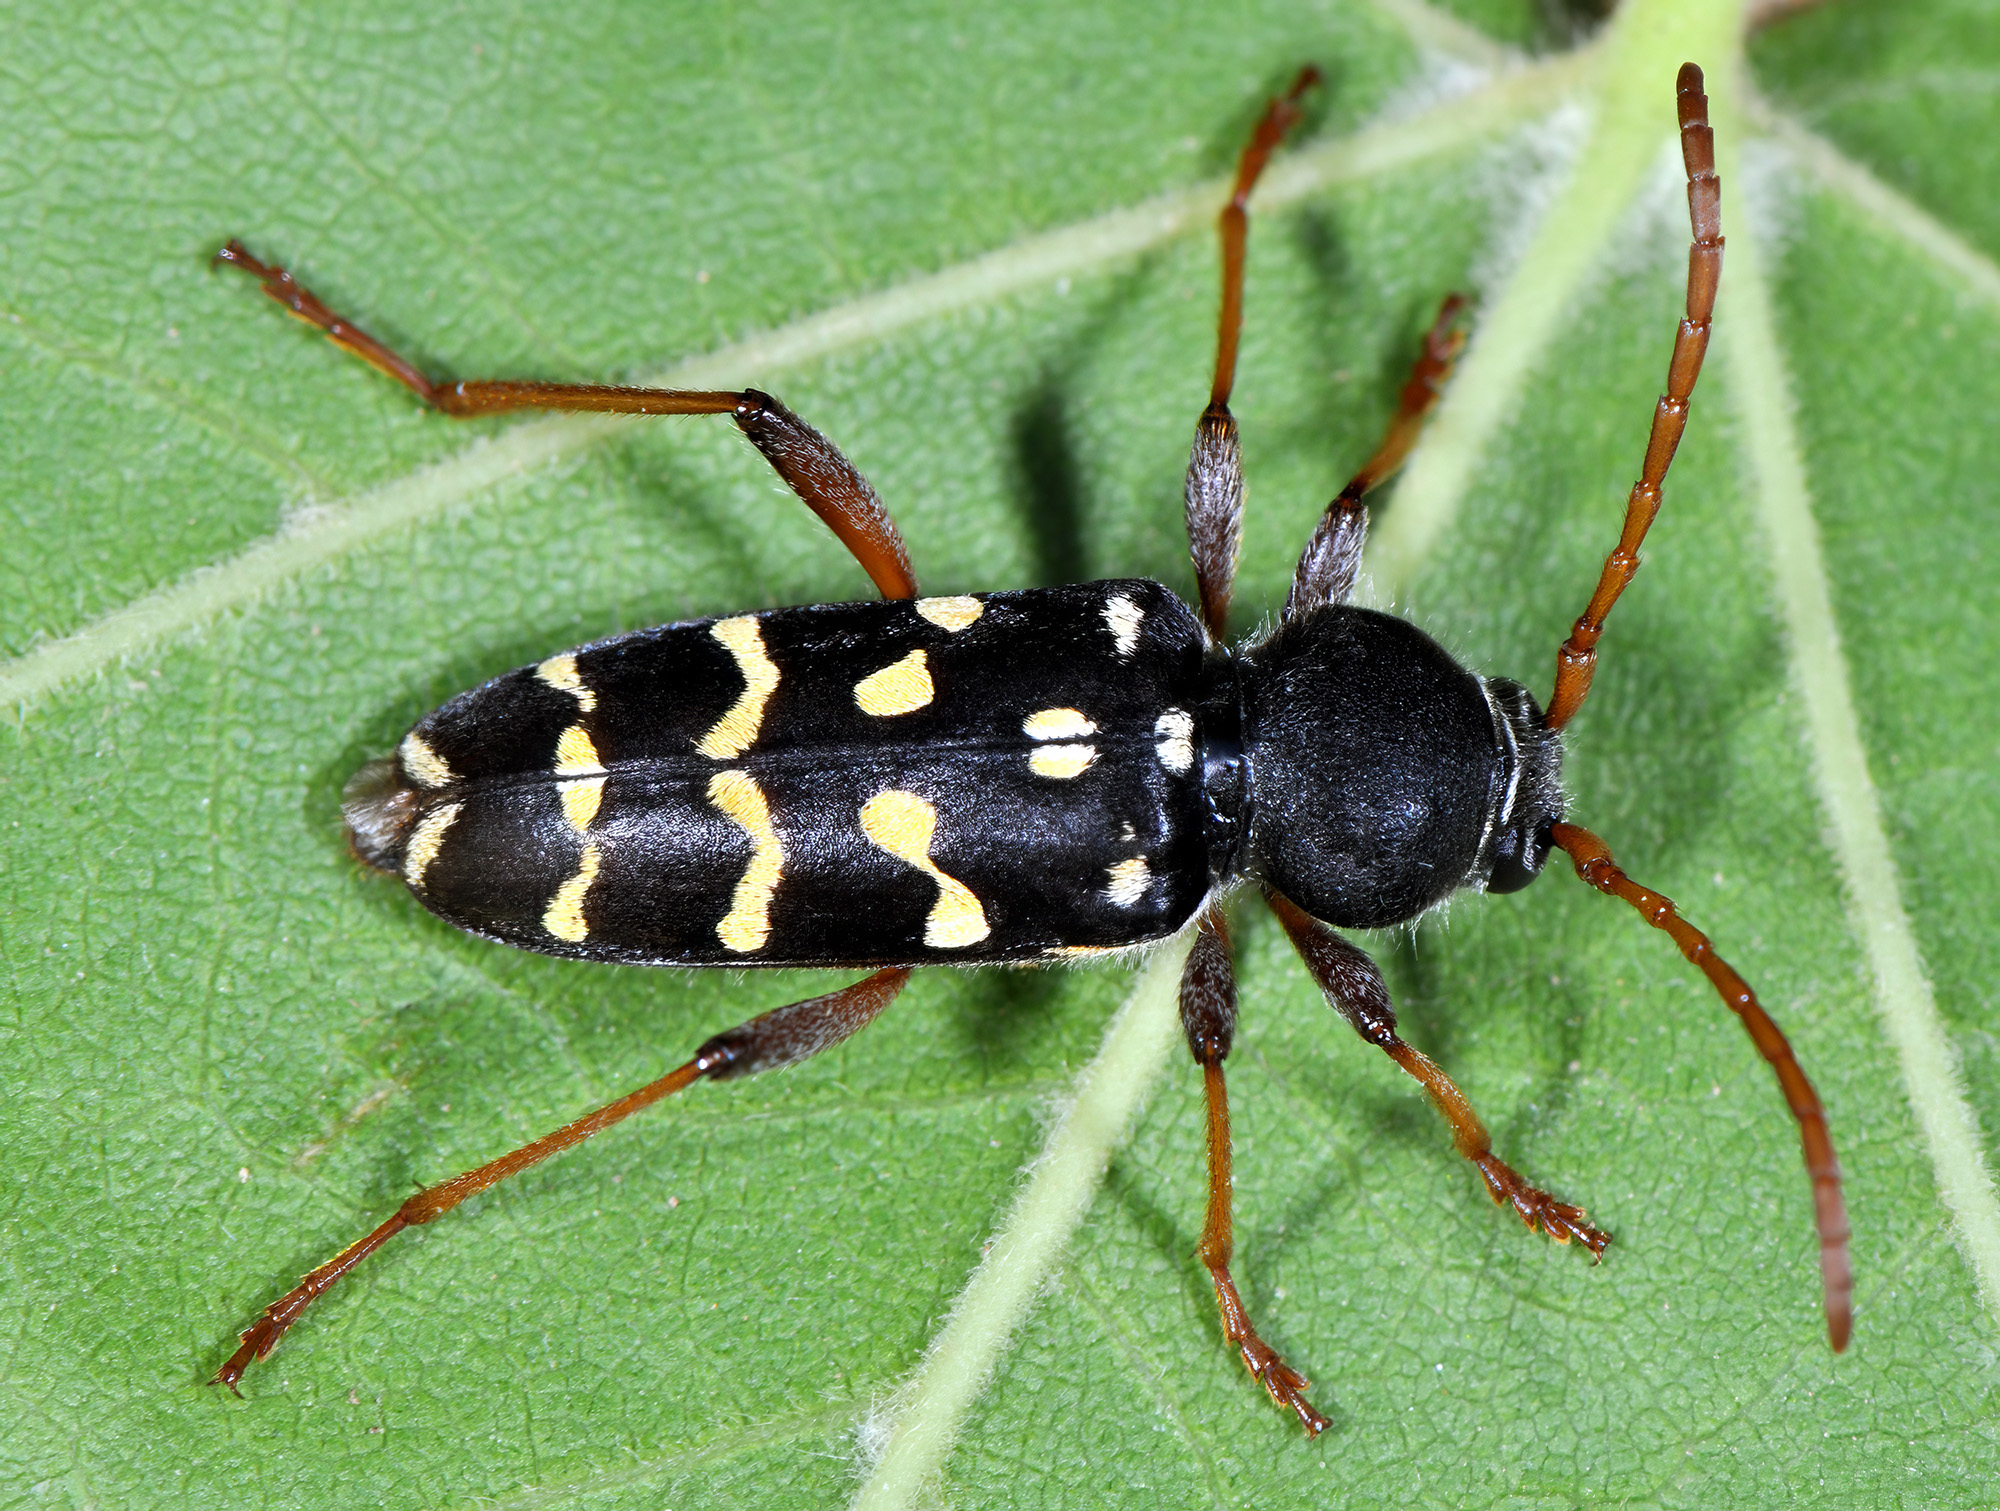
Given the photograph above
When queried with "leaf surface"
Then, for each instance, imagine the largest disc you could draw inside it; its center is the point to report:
(230, 1051)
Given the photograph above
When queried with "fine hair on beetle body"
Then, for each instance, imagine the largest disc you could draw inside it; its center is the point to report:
(1029, 777)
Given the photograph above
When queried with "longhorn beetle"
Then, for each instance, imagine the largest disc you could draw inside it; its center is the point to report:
(1022, 776)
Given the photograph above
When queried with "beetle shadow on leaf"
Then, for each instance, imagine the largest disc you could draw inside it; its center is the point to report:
(1219, 153)
(1047, 479)
(1006, 1010)
(1350, 404)
(716, 535)
(1435, 1003)
(1258, 1249)
(1049, 488)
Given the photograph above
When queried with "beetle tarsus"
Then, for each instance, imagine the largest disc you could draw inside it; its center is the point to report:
(1284, 1384)
(1537, 1209)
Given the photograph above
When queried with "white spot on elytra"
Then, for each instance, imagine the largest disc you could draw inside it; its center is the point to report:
(902, 687)
(1129, 881)
(1061, 761)
(904, 824)
(1123, 617)
(748, 923)
(1175, 731)
(426, 841)
(736, 731)
(951, 614)
(580, 801)
(576, 753)
(564, 915)
(423, 765)
(560, 673)
(1057, 724)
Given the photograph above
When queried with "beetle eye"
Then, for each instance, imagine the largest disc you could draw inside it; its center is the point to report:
(1517, 857)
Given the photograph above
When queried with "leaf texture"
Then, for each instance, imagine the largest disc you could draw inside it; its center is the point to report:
(972, 247)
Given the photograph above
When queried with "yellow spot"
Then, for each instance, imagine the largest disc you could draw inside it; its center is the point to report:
(1057, 724)
(748, 923)
(1175, 732)
(580, 800)
(1080, 951)
(564, 919)
(951, 614)
(1129, 880)
(1123, 617)
(901, 688)
(903, 824)
(1061, 761)
(576, 753)
(426, 841)
(736, 731)
(560, 673)
(424, 766)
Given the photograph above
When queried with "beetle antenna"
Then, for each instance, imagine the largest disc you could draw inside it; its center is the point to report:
(1279, 117)
(1594, 864)
(1577, 656)
(1214, 493)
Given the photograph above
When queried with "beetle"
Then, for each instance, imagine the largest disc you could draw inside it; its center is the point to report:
(1023, 777)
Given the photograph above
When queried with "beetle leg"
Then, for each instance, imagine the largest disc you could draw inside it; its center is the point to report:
(1332, 558)
(1215, 467)
(810, 464)
(1592, 858)
(1208, 1016)
(1357, 992)
(1576, 657)
(783, 1036)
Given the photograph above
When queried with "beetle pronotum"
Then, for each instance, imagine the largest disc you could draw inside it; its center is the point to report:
(1022, 776)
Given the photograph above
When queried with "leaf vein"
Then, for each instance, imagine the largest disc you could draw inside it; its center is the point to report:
(1903, 998)
(440, 489)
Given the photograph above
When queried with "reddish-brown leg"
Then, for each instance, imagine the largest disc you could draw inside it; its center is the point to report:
(1357, 992)
(1576, 658)
(783, 1036)
(1215, 467)
(810, 464)
(1592, 858)
(1208, 1015)
(1328, 565)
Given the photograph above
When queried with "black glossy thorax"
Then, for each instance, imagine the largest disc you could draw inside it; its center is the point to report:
(1380, 775)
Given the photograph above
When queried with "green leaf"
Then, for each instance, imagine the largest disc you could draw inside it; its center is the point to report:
(974, 249)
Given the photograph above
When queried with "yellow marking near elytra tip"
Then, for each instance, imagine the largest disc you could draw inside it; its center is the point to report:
(1061, 761)
(748, 923)
(1175, 731)
(560, 673)
(736, 731)
(580, 800)
(951, 614)
(564, 917)
(1057, 724)
(576, 753)
(1080, 951)
(904, 824)
(425, 841)
(1129, 880)
(902, 687)
(1123, 617)
(423, 765)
